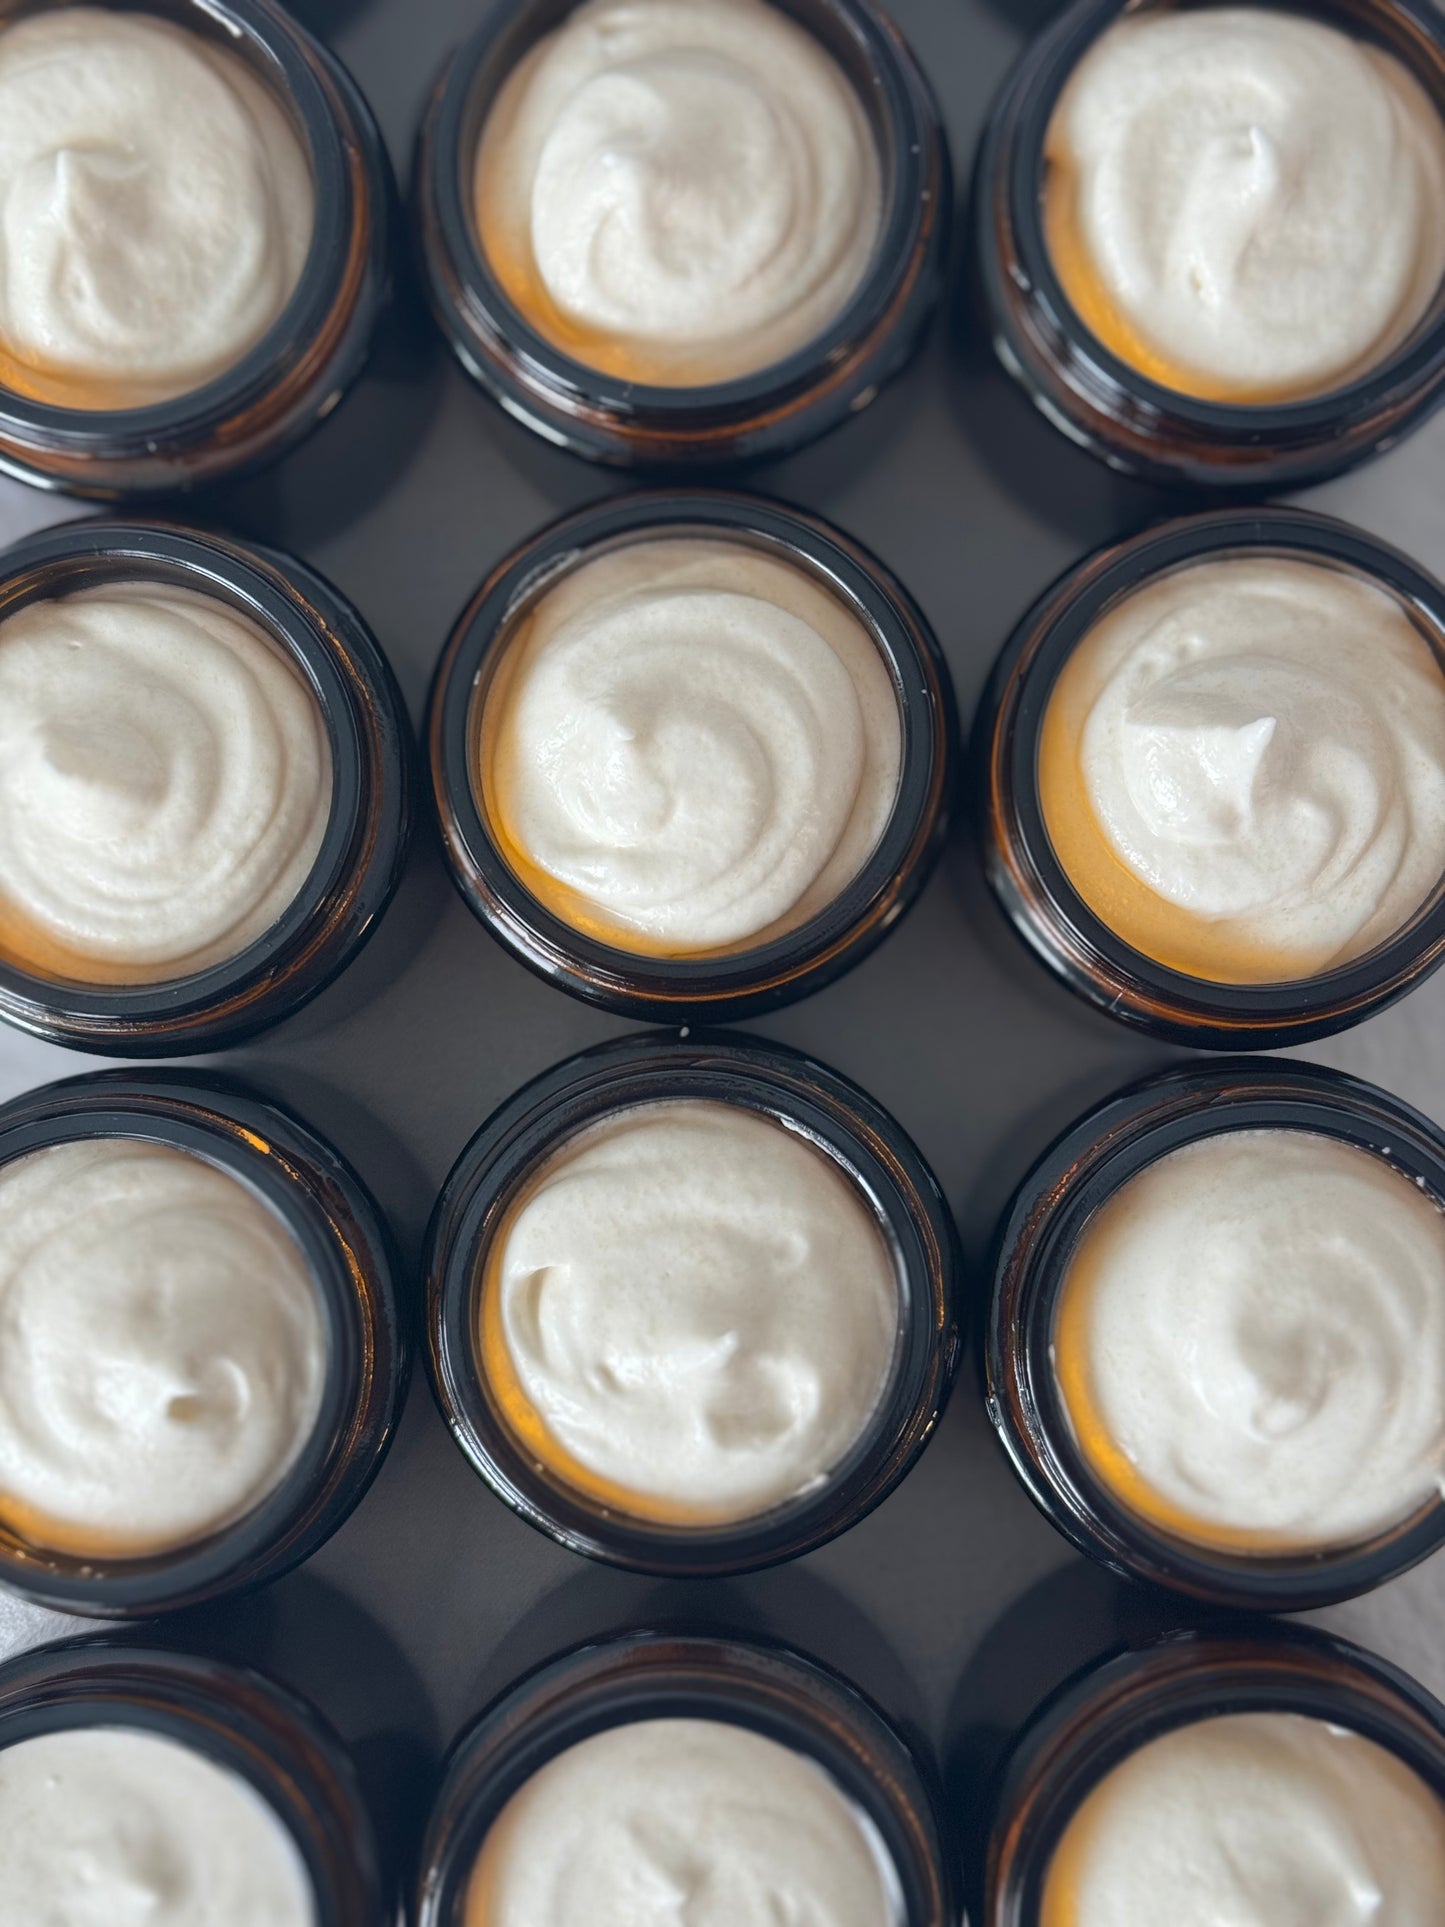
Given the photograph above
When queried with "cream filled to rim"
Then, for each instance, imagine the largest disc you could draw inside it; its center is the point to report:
(1250, 1343)
(689, 1313)
(1257, 1819)
(1242, 769)
(105, 1826)
(162, 1348)
(689, 746)
(678, 191)
(165, 783)
(649, 1823)
(156, 208)
(1245, 204)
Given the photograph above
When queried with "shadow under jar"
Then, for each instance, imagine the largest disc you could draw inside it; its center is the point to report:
(301, 1221)
(627, 416)
(174, 720)
(702, 709)
(1136, 417)
(89, 432)
(1275, 1005)
(1099, 1720)
(280, 1763)
(868, 1210)
(1319, 1170)
(644, 1677)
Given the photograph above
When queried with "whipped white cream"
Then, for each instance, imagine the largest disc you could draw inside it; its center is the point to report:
(162, 1352)
(660, 1821)
(1244, 203)
(696, 741)
(1258, 1820)
(156, 207)
(108, 1826)
(1243, 768)
(165, 783)
(690, 1312)
(1250, 1342)
(678, 191)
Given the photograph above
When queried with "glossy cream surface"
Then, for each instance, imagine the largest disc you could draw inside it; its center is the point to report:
(1250, 1342)
(690, 745)
(678, 191)
(1242, 768)
(162, 1350)
(682, 1820)
(156, 207)
(1254, 1820)
(165, 783)
(112, 1826)
(689, 1313)
(1245, 203)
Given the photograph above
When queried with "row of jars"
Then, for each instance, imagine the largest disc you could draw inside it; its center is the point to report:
(296, 374)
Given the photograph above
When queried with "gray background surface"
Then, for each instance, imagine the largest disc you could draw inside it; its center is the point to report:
(955, 1604)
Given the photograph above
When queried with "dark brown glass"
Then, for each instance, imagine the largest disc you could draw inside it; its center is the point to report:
(1098, 399)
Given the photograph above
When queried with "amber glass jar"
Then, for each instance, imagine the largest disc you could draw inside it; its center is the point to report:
(300, 368)
(1099, 400)
(647, 1676)
(359, 863)
(322, 1203)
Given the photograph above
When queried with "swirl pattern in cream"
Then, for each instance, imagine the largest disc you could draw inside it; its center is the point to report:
(162, 1350)
(165, 783)
(690, 1313)
(1243, 768)
(691, 745)
(679, 191)
(156, 207)
(1247, 204)
(1250, 1342)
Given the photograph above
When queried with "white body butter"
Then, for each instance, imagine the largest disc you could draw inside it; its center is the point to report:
(156, 207)
(165, 783)
(1251, 1342)
(162, 1351)
(1246, 204)
(666, 1820)
(109, 1826)
(1257, 1820)
(693, 1309)
(681, 191)
(698, 743)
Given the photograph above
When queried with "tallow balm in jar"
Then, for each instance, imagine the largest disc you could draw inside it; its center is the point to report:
(165, 783)
(1242, 769)
(688, 1314)
(678, 192)
(689, 747)
(1258, 1820)
(104, 1826)
(156, 208)
(646, 1824)
(1249, 1343)
(162, 1348)
(1244, 204)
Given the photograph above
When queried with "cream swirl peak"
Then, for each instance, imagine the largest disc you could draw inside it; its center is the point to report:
(1281, 1820)
(156, 207)
(165, 783)
(1250, 1342)
(690, 745)
(112, 1826)
(1242, 768)
(162, 1350)
(621, 1829)
(678, 191)
(689, 1313)
(1245, 204)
